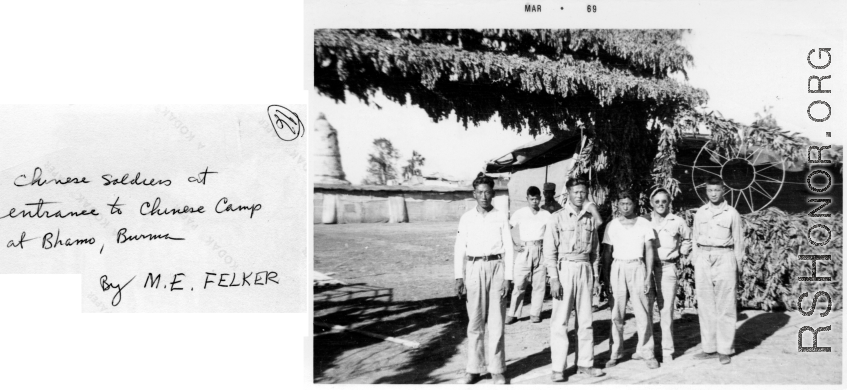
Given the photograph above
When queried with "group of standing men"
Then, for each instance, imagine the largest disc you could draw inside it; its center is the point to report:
(563, 244)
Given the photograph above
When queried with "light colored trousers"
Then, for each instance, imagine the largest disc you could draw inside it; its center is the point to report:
(577, 279)
(483, 280)
(664, 274)
(715, 281)
(529, 272)
(627, 279)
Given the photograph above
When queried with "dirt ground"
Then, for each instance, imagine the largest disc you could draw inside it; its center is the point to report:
(400, 284)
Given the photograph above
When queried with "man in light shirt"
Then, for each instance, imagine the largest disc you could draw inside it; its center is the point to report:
(718, 254)
(629, 240)
(483, 268)
(529, 270)
(570, 253)
(674, 239)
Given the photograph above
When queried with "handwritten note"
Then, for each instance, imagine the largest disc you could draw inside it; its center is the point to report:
(160, 208)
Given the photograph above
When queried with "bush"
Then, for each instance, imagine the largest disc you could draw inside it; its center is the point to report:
(773, 242)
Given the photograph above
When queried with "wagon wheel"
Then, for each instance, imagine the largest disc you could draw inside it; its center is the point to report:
(751, 185)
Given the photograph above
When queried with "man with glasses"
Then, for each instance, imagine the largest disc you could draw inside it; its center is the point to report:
(674, 239)
(483, 269)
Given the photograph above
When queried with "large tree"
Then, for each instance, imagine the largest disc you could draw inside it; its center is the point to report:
(625, 90)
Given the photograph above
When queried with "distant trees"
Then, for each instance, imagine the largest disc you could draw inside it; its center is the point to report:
(381, 163)
(412, 167)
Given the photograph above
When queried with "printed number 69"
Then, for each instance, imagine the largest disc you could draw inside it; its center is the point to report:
(592, 8)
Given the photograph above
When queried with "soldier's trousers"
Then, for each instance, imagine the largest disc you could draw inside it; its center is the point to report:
(664, 273)
(483, 280)
(715, 281)
(627, 279)
(577, 279)
(529, 271)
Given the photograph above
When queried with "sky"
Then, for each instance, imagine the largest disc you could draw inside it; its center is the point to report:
(742, 71)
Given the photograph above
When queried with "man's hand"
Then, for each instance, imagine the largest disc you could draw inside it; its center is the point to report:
(556, 289)
(460, 288)
(596, 288)
(519, 248)
(607, 287)
(505, 288)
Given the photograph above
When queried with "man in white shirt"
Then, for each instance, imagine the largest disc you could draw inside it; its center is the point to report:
(529, 270)
(629, 240)
(674, 239)
(483, 268)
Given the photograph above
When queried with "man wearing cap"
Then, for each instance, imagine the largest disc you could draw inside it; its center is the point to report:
(629, 240)
(483, 270)
(570, 253)
(550, 203)
(674, 239)
(718, 254)
(531, 222)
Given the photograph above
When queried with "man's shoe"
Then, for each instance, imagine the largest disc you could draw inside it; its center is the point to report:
(469, 379)
(557, 376)
(534, 319)
(667, 356)
(499, 379)
(705, 355)
(652, 363)
(612, 363)
(724, 359)
(511, 320)
(636, 356)
(591, 371)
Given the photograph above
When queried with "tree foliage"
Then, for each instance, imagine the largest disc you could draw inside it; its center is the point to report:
(381, 163)
(413, 166)
(620, 88)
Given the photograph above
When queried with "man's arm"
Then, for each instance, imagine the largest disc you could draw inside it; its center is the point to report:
(509, 247)
(694, 235)
(685, 238)
(648, 258)
(459, 257)
(738, 239)
(551, 256)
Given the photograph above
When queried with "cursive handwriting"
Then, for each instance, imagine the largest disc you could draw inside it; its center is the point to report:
(38, 213)
(122, 237)
(105, 285)
(153, 209)
(135, 181)
(286, 123)
(38, 181)
(253, 208)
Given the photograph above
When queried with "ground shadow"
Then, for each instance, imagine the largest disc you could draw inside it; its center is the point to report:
(601, 329)
(752, 333)
(394, 319)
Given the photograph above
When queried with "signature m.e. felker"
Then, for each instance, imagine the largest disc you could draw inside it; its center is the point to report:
(180, 282)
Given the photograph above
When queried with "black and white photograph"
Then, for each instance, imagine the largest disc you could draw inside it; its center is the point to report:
(576, 206)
